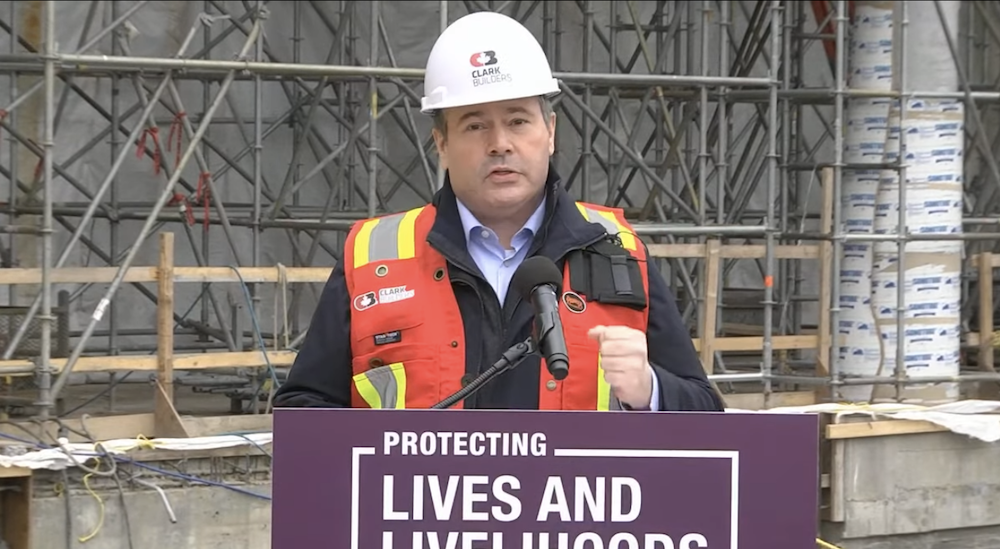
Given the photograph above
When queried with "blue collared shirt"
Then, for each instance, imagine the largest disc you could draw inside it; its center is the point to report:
(498, 264)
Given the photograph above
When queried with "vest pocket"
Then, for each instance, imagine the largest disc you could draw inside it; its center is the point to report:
(401, 376)
(385, 324)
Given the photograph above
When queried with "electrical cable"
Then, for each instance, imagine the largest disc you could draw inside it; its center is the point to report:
(142, 465)
(275, 384)
(107, 388)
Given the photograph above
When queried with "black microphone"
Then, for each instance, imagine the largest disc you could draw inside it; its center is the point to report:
(538, 280)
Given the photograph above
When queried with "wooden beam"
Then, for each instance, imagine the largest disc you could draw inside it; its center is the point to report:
(732, 251)
(987, 390)
(756, 401)
(756, 343)
(130, 426)
(880, 428)
(165, 419)
(826, 278)
(194, 361)
(710, 306)
(104, 275)
(255, 359)
(14, 472)
(15, 508)
(149, 274)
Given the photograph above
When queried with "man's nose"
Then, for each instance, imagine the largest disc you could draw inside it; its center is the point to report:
(500, 143)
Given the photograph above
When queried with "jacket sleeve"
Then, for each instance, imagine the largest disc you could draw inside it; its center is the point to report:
(321, 374)
(683, 383)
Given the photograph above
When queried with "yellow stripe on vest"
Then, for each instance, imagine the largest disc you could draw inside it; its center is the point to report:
(610, 223)
(362, 243)
(603, 389)
(605, 398)
(383, 387)
(386, 238)
(406, 242)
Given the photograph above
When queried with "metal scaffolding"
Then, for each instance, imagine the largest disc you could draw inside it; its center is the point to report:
(708, 121)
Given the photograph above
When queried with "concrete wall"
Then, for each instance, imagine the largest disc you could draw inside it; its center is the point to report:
(207, 518)
(933, 490)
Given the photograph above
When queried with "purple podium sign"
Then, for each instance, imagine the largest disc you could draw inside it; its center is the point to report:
(470, 479)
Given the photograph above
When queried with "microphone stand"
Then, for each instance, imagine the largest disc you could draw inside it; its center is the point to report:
(511, 358)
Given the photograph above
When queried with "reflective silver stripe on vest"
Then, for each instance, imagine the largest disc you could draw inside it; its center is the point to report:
(384, 382)
(383, 244)
(595, 217)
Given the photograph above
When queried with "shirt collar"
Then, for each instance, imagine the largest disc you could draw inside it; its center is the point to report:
(470, 223)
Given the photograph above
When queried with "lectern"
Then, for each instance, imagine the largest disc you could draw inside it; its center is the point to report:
(469, 479)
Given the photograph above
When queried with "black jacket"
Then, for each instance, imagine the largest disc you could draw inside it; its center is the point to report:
(321, 374)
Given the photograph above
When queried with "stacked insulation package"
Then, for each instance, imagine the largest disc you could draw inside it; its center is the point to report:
(930, 134)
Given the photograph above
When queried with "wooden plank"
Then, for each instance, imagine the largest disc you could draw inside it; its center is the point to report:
(76, 275)
(165, 419)
(100, 428)
(167, 423)
(992, 259)
(710, 306)
(104, 275)
(216, 425)
(15, 511)
(756, 401)
(14, 472)
(251, 274)
(824, 329)
(986, 312)
(880, 428)
(134, 425)
(732, 251)
(194, 361)
(986, 390)
(756, 343)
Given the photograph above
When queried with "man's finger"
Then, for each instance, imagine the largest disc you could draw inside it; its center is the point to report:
(612, 332)
(619, 347)
(614, 379)
(597, 333)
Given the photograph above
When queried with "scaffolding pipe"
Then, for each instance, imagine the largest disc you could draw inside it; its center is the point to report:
(144, 232)
(92, 207)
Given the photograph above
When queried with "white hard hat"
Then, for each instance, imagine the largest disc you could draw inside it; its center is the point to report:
(485, 57)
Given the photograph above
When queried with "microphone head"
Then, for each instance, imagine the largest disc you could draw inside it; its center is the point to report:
(533, 272)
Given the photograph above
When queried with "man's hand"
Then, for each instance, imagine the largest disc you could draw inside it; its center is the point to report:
(625, 362)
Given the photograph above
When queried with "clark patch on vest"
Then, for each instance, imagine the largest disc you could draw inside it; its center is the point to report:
(406, 318)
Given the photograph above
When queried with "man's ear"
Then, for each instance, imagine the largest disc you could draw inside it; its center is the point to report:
(441, 143)
(552, 134)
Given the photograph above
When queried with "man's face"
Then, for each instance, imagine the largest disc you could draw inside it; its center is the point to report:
(497, 154)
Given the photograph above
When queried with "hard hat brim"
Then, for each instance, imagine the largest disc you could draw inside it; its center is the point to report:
(429, 105)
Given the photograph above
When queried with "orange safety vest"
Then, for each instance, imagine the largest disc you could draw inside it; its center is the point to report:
(407, 337)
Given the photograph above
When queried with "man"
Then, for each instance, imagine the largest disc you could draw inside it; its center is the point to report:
(420, 303)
